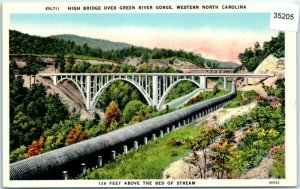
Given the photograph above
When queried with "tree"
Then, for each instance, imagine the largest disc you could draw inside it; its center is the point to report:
(145, 58)
(76, 135)
(216, 89)
(32, 67)
(220, 157)
(18, 154)
(251, 58)
(55, 110)
(130, 110)
(96, 119)
(35, 148)
(12, 67)
(21, 124)
(206, 136)
(112, 113)
(121, 92)
(60, 62)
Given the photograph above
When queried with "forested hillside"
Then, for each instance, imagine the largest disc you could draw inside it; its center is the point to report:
(32, 111)
(91, 42)
(215, 64)
(252, 57)
(20, 43)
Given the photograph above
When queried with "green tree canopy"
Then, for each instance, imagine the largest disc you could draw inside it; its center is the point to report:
(130, 109)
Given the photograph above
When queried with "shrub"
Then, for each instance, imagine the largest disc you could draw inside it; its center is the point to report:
(244, 102)
(130, 110)
(35, 148)
(112, 113)
(76, 135)
(18, 154)
(278, 169)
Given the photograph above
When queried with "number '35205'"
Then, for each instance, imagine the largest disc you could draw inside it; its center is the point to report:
(283, 16)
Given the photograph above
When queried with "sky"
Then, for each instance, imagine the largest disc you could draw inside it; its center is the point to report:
(220, 36)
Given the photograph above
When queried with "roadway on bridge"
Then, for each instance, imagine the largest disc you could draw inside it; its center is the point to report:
(179, 101)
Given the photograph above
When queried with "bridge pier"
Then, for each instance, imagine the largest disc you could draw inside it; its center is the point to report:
(225, 82)
(88, 92)
(54, 79)
(155, 90)
(203, 82)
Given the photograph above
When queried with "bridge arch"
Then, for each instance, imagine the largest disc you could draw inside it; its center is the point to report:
(169, 89)
(106, 85)
(78, 86)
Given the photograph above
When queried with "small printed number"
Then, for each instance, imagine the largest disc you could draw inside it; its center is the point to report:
(283, 16)
(274, 182)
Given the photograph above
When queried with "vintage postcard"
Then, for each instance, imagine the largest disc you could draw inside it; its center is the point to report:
(148, 95)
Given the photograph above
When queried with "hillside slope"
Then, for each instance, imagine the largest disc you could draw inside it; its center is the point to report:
(220, 64)
(92, 42)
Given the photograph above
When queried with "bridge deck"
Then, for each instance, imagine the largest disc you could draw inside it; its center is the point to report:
(161, 74)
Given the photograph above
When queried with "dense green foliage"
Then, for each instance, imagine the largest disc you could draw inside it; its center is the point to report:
(278, 92)
(31, 111)
(91, 42)
(259, 140)
(251, 58)
(130, 109)
(121, 92)
(278, 169)
(215, 64)
(20, 43)
(82, 67)
(183, 88)
(62, 133)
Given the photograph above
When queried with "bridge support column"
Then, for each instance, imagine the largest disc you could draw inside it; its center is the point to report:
(155, 90)
(225, 82)
(88, 92)
(203, 82)
(54, 78)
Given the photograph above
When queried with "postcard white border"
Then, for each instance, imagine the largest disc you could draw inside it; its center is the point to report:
(290, 69)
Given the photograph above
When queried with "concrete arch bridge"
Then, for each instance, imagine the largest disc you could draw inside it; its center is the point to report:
(155, 87)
